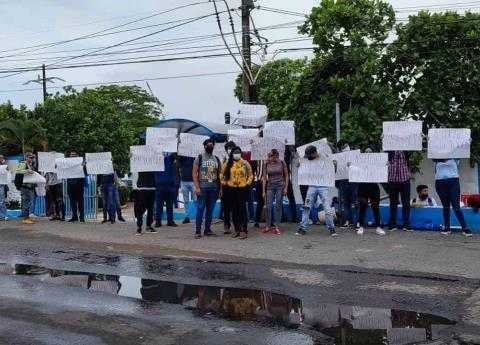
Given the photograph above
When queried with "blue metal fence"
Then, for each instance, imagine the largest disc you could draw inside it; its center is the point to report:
(90, 198)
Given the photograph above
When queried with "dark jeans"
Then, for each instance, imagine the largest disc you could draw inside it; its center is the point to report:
(144, 201)
(54, 195)
(167, 197)
(396, 190)
(291, 203)
(250, 203)
(369, 192)
(75, 195)
(449, 192)
(205, 205)
(226, 210)
(348, 198)
(238, 204)
(28, 199)
(260, 201)
(109, 201)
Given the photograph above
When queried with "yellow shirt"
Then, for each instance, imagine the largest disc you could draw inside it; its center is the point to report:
(241, 174)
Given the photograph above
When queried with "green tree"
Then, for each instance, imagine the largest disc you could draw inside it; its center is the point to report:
(107, 118)
(433, 67)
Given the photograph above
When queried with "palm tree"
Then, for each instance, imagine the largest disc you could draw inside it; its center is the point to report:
(27, 133)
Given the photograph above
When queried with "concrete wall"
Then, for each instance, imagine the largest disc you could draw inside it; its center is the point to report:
(468, 178)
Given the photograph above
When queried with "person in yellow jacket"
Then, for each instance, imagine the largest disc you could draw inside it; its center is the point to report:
(237, 175)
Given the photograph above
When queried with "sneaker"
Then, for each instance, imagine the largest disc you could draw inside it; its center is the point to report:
(380, 231)
(360, 231)
(446, 232)
(243, 236)
(346, 225)
(301, 232)
(266, 230)
(152, 231)
(172, 224)
(149, 228)
(333, 233)
(392, 228)
(197, 236)
(158, 224)
(467, 233)
(103, 221)
(276, 231)
(121, 219)
(186, 221)
(407, 228)
(73, 220)
(235, 234)
(227, 232)
(209, 234)
(138, 234)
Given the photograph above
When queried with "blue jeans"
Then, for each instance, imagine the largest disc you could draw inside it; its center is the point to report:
(28, 196)
(274, 193)
(205, 205)
(109, 201)
(449, 192)
(164, 195)
(314, 193)
(188, 192)
(3, 206)
(348, 198)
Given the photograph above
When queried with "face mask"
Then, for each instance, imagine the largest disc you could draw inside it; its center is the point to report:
(209, 149)
(237, 156)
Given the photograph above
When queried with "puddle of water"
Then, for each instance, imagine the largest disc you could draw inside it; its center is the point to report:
(347, 325)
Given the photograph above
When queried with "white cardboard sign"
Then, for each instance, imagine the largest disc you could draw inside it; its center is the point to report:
(283, 130)
(46, 161)
(146, 158)
(402, 136)
(191, 145)
(261, 147)
(243, 138)
(164, 137)
(99, 163)
(369, 168)
(69, 167)
(317, 172)
(322, 148)
(4, 175)
(343, 159)
(446, 143)
(251, 115)
(34, 178)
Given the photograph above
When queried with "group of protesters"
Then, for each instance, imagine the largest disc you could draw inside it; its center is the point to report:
(240, 182)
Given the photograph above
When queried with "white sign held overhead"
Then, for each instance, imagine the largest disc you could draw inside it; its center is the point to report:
(446, 143)
(369, 168)
(4, 175)
(251, 115)
(317, 172)
(283, 130)
(34, 178)
(219, 151)
(191, 145)
(46, 161)
(261, 147)
(99, 163)
(402, 136)
(163, 137)
(343, 159)
(69, 167)
(322, 148)
(146, 159)
(243, 138)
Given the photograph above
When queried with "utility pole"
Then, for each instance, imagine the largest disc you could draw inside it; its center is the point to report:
(248, 89)
(44, 82)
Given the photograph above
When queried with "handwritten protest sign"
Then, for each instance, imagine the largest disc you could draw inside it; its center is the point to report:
(4, 175)
(191, 145)
(99, 163)
(34, 178)
(402, 136)
(251, 115)
(46, 161)
(322, 148)
(343, 159)
(369, 168)
(219, 151)
(164, 137)
(449, 143)
(243, 138)
(283, 130)
(261, 147)
(317, 172)
(69, 167)
(146, 158)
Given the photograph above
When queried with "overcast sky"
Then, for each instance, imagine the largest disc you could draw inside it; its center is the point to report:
(32, 22)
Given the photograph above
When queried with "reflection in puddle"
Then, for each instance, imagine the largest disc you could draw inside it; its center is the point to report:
(347, 325)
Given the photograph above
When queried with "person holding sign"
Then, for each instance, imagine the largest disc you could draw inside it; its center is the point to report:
(54, 195)
(237, 175)
(27, 190)
(3, 189)
(76, 190)
(314, 193)
(225, 210)
(447, 184)
(144, 199)
(106, 184)
(206, 177)
(275, 184)
(399, 185)
(166, 183)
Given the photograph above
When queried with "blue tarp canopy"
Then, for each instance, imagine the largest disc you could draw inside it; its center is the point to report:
(217, 131)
